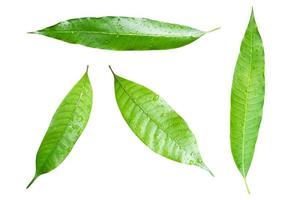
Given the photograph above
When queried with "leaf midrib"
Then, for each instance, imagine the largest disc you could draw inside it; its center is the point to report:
(122, 34)
(246, 108)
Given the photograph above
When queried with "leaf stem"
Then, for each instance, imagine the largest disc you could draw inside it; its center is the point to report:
(112, 71)
(32, 181)
(33, 32)
(87, 69)
(247, 186)
(214, 29)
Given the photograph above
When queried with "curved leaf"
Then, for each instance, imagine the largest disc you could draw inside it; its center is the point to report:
(156, 124)
(247, 98)
(65, 128)
(122, 33)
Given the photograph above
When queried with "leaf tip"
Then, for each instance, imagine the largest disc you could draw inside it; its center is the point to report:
(112, 71)
(252, 13)
(202, 165)
(87, 69)
(208, 170)
(33, 32)
(32, 181)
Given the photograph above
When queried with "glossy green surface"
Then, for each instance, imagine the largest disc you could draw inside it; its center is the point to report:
(122, 33)
(156, 124)
(247, 98)
(65, 128)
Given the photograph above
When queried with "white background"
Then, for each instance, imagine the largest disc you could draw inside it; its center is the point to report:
(108, 161)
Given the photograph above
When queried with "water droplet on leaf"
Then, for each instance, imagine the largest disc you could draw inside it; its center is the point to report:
(155, 98)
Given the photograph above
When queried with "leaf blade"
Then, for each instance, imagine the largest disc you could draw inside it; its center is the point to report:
(247, 98)
(65, 128)
(156, 124)
(122, 33)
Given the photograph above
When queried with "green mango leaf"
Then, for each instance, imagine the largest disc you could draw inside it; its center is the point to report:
(65, 128)
(156, 124)
(122, 33)
(247, 98)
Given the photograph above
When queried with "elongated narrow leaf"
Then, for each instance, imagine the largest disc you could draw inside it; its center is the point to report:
(65, 128)
(247, 98)
(156, 124)
(122, 33)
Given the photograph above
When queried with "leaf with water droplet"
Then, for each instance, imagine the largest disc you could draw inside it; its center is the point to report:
(156, 124)
(122, 33)
(65, 127)
(155, 97)
(247, 98)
